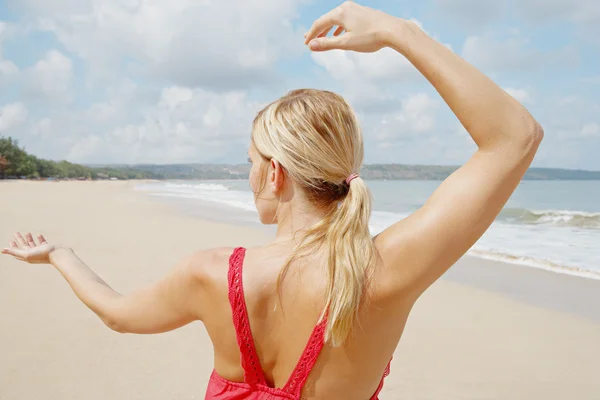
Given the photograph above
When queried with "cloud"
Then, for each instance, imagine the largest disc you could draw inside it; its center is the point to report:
(582, 12)
(8, 71)
(50, 78)
(418, 113)
(480, 13)
(366, 78)
(472, 14)
(182, 125)
(370, 81)
(414, 116)
(11, 116)
(514, 54)
(222, 45)
(385, 65)
(521, 95)
(590, 130)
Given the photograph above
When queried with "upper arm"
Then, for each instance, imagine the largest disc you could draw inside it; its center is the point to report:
(420, 248)
(172, 302)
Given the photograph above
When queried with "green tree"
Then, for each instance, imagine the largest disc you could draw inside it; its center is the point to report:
(4, 163)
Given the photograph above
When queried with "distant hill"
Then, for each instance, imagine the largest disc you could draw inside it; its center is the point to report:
(371, 171)
(15, 162)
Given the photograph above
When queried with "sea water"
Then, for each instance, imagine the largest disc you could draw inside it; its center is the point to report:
(554, 225)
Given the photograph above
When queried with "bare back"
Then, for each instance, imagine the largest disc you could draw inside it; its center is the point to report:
(281, 330)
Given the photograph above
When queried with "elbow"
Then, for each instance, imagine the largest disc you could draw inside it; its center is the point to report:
(536, 134)
(533, 137)
(114, 325)
(529, 136)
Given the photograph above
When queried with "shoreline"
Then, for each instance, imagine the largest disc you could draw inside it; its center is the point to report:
(556, 290)
(544, 258)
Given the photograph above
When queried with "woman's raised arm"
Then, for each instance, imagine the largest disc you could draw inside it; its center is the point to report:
(420, 248)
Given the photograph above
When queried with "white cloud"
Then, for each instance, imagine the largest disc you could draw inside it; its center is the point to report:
(414, 116)
(8, 71)
(51, 77)
(590, 130)
(183, 125)
(222, 45)
(384, 65)
(521, 95)
(418, 113)
(11, 116)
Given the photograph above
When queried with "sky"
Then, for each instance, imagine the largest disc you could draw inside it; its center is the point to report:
(178, 81)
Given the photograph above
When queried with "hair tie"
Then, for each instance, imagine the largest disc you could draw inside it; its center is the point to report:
(351, 178)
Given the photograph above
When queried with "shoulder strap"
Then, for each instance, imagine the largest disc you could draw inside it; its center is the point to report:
(253, 373)
(385, 373)
(307, 361)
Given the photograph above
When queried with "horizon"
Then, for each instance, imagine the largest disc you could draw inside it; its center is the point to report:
(96, 165)
(168, 94)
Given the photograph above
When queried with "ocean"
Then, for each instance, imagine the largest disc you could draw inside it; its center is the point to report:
(553, 225)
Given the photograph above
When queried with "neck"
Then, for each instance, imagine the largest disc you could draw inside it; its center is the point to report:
(296, 218)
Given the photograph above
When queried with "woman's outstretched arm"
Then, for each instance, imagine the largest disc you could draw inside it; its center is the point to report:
(420, 248)
(166, 305)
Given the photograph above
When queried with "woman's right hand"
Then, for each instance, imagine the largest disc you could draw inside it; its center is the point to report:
(359, 28)
(26, 249)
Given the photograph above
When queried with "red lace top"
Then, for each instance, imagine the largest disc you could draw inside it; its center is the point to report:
(255, 386)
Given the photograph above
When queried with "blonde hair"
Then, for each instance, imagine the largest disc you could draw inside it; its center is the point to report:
(315, 136)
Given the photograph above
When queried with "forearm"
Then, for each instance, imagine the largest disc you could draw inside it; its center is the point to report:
(96, 294)
(490, 115)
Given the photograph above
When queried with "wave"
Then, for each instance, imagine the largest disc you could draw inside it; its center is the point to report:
(577, 219)
(535, 263)
(561, 241)
(198, 186)
(210, 192)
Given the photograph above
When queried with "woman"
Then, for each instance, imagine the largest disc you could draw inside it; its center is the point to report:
(324, 280)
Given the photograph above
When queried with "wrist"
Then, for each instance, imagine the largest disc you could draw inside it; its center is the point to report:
(398, 34)
(59, 253)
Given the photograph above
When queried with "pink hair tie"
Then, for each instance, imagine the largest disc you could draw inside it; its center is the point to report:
(351, 178)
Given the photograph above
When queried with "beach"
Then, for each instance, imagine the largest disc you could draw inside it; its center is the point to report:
(488, 330)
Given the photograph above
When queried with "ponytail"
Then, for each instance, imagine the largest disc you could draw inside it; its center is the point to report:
(351, 255)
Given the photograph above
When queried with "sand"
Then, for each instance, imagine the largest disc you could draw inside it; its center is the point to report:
(469, 337)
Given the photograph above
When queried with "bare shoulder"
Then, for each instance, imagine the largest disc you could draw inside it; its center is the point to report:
(209, 266)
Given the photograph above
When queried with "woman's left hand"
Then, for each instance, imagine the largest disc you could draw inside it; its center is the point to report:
(26, 249)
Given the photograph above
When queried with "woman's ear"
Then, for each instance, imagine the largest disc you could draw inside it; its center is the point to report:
(276, 176)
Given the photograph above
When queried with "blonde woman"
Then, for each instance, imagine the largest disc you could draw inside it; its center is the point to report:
(318, 312)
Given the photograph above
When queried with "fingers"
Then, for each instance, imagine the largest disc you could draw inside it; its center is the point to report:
(325, 32)
(329, 43)
(20, 241)
(30, 241)
(15, 252)
(338, 31)
(323, 24)
(42, 239)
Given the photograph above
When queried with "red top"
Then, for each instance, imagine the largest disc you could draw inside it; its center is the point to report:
(255, 386)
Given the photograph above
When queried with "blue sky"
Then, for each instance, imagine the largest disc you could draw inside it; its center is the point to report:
(137, 81)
